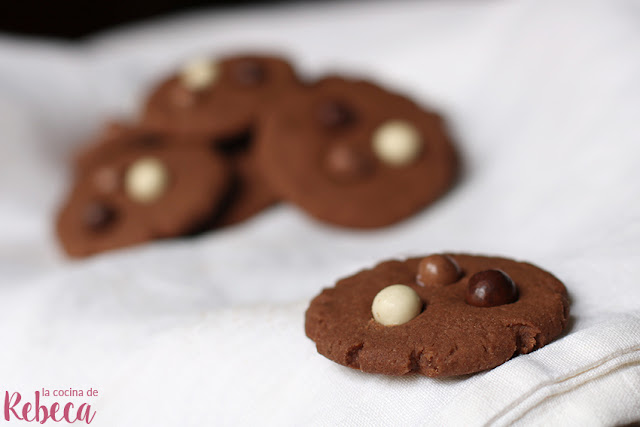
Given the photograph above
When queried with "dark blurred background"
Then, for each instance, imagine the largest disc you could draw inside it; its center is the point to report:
(76, 18)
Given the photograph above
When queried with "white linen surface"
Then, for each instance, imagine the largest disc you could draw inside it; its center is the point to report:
(544, 101)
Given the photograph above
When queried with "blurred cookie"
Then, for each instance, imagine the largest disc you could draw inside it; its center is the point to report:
(123, 197)
(218, 96)
(353, 154)
(118, 137)
(439, 316)
(222, 99)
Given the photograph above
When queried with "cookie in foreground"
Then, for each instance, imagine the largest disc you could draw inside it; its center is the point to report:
(440, 315)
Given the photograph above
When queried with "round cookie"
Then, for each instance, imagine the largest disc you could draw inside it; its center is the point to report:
(353, 154)
(136, 195)
(222, 99)
(451, 334)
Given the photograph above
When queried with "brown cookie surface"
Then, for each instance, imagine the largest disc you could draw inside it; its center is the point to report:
(435, 325)
(118, 137)
(228, 101)
(222, 100)
(129, 196)
(353, 154)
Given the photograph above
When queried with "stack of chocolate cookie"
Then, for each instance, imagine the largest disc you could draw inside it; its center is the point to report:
(220, 141)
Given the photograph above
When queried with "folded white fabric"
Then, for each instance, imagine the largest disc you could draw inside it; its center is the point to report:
(543, 100)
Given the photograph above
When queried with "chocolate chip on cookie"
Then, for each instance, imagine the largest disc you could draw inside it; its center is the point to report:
(491, 288)
(438, 270)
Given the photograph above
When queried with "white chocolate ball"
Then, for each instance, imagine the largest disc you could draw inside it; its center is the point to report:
(146, 180)
(198, 74)
(397, 142)
(395, 305)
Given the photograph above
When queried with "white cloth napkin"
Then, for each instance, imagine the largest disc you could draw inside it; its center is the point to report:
(544, 101)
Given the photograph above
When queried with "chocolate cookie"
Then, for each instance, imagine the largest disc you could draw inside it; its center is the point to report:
(439, 316)
(222, 100)
(353, 154)
(144, 192)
